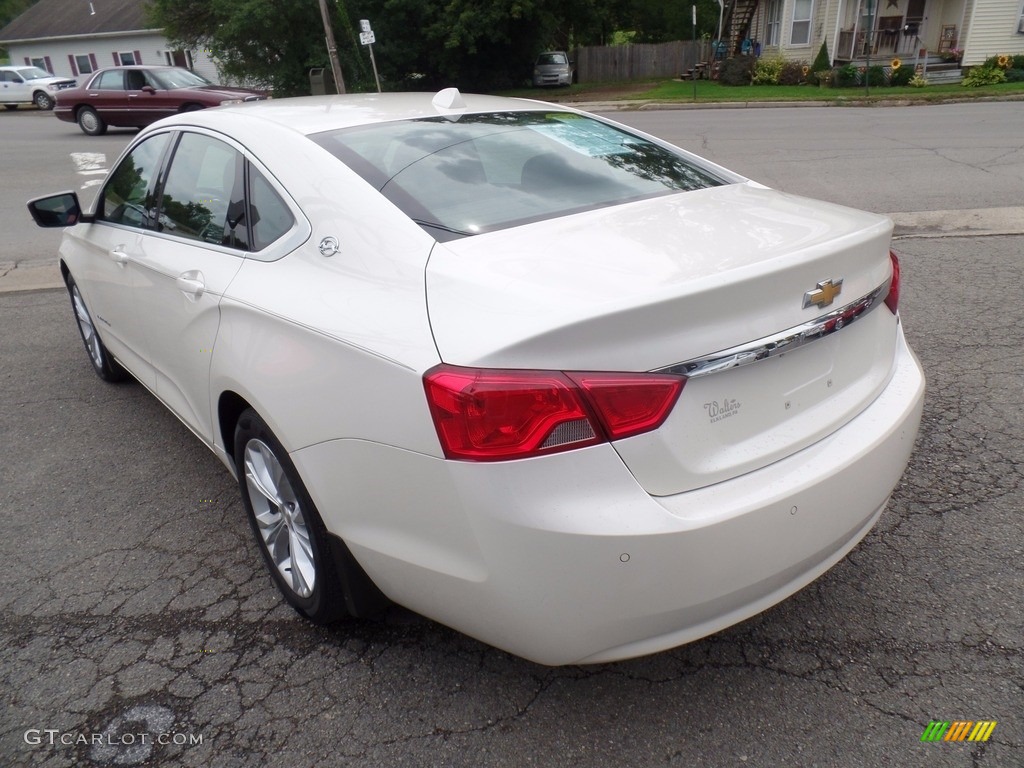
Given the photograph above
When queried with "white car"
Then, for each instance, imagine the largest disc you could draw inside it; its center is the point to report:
(30, 85)
(552, 382)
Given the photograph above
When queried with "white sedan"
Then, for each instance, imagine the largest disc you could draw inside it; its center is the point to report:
(557, 384)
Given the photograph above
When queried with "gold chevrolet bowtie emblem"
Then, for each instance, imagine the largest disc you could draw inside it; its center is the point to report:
(824, 294)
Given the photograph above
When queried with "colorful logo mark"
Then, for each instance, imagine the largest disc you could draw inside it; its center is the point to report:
(958, 730)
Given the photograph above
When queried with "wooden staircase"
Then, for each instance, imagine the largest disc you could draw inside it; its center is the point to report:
(736, 27)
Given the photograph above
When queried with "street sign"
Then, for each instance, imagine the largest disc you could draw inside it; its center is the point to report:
(364, 25)
(367, 38)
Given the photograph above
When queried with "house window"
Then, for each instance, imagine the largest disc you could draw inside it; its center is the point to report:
(39, 62)
(83, 63)
(178, 58)
(800, 34)
(1020, 21)
(126, 58)
(774, 21)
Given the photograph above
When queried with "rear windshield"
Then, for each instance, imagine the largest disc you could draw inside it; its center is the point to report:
(480, 173)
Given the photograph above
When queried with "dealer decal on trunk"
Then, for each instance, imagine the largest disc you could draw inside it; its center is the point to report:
(718, 411)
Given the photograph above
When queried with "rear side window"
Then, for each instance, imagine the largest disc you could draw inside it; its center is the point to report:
(270, 218)
(111, 80)
(485, 172)
(203, 180)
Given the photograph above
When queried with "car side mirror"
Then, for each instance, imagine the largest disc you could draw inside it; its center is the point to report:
(62, 210)
(148, 89)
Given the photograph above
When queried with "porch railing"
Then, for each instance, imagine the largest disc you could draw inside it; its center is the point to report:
(881, 43)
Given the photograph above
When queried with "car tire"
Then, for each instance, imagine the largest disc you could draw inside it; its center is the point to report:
(290, 534)
(106, 367)
(43, 100)
(91, 123)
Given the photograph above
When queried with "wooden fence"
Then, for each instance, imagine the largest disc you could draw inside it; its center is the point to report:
(608, 63)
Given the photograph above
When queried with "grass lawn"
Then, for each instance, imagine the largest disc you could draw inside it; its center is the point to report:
(708, 91)
(712, 91)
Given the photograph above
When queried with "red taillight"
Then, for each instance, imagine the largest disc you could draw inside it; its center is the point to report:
(892, 301)
(493, 414)
(628, 403)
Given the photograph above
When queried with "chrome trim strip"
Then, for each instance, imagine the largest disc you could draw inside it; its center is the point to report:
(783, 342)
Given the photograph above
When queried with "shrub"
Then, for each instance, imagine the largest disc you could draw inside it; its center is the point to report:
(794, 73)
(767, 70)
(876, 75)
(1015, 75)
(822, 63)
(739, 70)
(1004, 61)
(901, 76)
(978, 76)
(917, 81)
(845, 76)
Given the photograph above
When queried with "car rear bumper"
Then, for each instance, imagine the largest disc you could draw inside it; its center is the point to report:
(565, 559)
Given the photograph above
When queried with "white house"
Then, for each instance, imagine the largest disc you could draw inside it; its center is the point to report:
(73, 38)
(795, 29)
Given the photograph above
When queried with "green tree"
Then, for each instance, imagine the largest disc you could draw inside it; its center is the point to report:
(11, 9)
(655, 21)
(271, 42)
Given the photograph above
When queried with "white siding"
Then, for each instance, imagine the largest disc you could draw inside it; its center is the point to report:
(992, 31)
(152, 48)
(823, 16)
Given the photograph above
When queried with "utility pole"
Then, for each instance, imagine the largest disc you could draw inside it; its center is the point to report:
(332, 49)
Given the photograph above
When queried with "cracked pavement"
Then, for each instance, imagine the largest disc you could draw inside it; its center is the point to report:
(134, 606)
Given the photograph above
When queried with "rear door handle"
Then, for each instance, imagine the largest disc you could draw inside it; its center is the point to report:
(119, 255)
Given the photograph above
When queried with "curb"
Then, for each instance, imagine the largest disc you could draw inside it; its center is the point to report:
(30, 277)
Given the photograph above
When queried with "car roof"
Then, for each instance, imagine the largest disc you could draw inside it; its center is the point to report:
(315, 114)
(139, 66)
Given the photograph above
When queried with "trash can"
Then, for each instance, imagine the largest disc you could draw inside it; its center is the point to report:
(321, 81)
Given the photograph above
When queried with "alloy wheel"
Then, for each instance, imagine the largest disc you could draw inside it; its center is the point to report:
(280, 518)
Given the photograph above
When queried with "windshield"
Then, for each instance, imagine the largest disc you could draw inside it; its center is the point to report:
(487, 172)
(33, 73)
(551, 58)
(170, 79)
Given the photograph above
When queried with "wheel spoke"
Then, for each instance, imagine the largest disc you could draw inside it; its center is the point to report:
(259, 475)
(279, 518)
(92, 341)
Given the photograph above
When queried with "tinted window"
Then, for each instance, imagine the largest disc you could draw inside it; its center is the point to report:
(270, 216)
(111, 80)
(128, 197)
(200, 187)
(486, 172)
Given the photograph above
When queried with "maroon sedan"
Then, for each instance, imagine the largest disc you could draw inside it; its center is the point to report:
(136, 96)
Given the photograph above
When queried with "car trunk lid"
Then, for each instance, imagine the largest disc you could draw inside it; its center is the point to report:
(655, 284)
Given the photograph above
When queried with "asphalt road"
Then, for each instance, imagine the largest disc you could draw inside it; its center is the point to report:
(134, 608)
